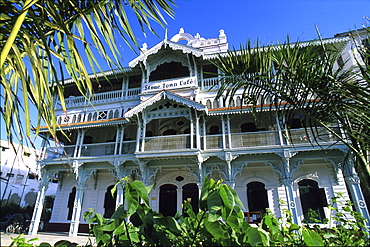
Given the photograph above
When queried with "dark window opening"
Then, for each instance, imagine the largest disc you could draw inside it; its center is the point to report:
(214, 130)
(169, 132)
(313, 200)
(257, 197)
(71, 202)
(105, 86)
(168, 200)
(169, 71)
(190, 193)
(109, 202)
(10, 174)
(88, 140)
(248, 127)
(134, 81)
(209, 71)
(296, 123)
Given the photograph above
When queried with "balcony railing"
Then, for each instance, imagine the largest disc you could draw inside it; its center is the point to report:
(60, 152)
(314, 135)
(97, 149)
(213, 141)
(128, 147)
(111, 96)
(210, 83)
(254, 139)
(172, 142)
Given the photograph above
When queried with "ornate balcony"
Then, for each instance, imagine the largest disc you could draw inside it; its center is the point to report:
(99, 98)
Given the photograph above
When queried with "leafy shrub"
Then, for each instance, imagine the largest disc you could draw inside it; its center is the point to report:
(219, 222)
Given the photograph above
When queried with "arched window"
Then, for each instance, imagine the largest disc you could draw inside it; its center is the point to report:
(313, 200)
(214, 130)
(257, 197)
(168, 199)
(248, 127)
(109, 202)
(169, 132)
(71, 202)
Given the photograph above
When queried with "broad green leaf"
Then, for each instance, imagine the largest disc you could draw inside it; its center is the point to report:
(312, 238)
(254, 236)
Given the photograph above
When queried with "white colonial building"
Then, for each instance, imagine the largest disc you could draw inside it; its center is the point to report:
(19, 174)
(159, 121)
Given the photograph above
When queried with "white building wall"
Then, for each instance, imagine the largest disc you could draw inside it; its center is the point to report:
(18, 161)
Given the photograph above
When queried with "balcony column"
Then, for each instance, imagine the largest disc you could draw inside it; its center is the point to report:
(82, 175)
(39, 205)
(143, 130)
(279, 124)
(192, 129)
(79, 143)
(139, 133)
(203, 132)
(197, 130)
(44, 147)
(226, 137)
(119, 138)
(353, 184)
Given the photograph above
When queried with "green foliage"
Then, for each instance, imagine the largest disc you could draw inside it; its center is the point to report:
(219, 222)
(21, 241)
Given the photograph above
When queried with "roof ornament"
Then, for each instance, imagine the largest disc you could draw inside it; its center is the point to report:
(145, 47)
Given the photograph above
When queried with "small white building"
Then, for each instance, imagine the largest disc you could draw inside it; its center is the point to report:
(19, 174)
(159, 121)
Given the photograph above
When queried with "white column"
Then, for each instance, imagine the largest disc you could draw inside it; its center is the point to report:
(353, 183)
(35, 221)
(76, 215)
(179, 200)
(79, 143)
(288, 184)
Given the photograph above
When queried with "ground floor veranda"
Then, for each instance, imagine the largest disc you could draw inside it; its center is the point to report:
(297, 181)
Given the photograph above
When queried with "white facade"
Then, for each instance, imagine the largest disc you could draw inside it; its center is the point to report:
(160, 123)
(19, 174)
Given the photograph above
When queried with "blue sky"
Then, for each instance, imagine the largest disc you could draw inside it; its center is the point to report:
(267, 20)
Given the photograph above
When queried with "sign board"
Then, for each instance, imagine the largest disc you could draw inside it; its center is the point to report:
(169, 84)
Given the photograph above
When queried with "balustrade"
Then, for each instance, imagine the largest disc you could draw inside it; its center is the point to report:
(167, 142)
(254, 139)
(60, 152)
(128, 147)
(312, 135)
(98, 149)
(213, 141)
(210, 83)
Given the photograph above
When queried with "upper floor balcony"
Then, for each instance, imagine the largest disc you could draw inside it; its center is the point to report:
(185, 142)
(100, 98)
(134, 93)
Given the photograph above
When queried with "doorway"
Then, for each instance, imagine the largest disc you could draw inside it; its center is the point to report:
(168, 199)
